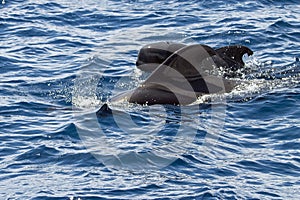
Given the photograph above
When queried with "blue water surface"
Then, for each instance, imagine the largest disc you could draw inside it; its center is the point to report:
(60, 61)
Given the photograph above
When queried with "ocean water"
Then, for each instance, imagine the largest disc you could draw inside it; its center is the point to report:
(61, 61)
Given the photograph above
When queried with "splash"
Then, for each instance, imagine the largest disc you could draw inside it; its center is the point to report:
(258, 78)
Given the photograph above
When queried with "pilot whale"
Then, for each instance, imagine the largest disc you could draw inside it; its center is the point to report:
(229, 58)
(181, 73)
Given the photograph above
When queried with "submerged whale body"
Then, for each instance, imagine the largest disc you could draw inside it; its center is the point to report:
(181, 73)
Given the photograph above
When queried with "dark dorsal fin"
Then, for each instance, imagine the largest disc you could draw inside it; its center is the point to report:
(104, 110)
(234, 52)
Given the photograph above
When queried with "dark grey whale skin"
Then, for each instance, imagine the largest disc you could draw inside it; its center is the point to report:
(154, 57)
(228, 57)
(178, 73)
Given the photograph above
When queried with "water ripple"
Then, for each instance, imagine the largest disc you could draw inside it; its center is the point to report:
(44, 48)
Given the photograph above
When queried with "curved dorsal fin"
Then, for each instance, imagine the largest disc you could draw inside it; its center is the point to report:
(234, 52)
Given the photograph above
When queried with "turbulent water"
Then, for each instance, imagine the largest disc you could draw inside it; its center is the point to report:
(61, 61)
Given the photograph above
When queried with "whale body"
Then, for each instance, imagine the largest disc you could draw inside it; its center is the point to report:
(180, 73)
(229, 58)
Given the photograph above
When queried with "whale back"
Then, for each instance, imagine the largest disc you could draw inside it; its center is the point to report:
(180, 79)
(228, 57)
(180, 73)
